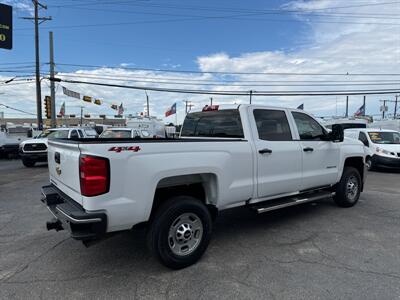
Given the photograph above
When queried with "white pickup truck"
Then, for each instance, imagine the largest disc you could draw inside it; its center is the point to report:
(263, 158)
(35, 150)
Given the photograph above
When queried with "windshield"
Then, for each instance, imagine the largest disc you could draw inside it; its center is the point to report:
(119, 134)
(54, 134)
(384, 137)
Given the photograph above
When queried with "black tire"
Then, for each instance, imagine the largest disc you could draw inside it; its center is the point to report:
(174, 211)
(28, 163)
(368, 162)
(346, 194)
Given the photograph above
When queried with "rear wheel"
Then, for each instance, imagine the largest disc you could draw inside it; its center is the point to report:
(28, 163)
(180, 231)
(349, 188)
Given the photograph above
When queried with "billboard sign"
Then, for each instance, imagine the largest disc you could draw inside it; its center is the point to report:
(5, 26)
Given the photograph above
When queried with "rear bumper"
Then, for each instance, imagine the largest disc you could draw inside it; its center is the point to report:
(38, 156)
(69, 215)
(385, 162)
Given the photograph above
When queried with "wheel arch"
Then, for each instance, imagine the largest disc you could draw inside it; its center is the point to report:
(356, 162)
(202, 186)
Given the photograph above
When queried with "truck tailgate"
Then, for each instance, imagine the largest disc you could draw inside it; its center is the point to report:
(63, 161)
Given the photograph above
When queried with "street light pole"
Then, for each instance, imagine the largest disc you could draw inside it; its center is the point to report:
(52, 84)
(148, 104)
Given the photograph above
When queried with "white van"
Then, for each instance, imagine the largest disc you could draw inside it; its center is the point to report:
(383, 146)
(144, 125)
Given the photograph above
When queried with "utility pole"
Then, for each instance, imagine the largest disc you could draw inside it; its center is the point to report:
(81, 115)
(364, 105)
(251, 94)
(347, 107)
(383, 110)
(148, 104)
(384, 107)
(52, 84)
(36, 19)
(188, 105)
(211, 99)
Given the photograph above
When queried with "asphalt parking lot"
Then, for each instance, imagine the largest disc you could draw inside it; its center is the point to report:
(313, 251)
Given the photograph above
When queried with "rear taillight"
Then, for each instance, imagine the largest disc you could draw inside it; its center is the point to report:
(94, 174)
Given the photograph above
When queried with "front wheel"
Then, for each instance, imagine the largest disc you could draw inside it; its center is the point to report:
(180, 232)
(349, 188)
(28, 163)
(368, 163)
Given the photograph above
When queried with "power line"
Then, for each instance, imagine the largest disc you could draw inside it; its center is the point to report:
(235, 17)
(227, 84)
(221, 80)
(240, 93)
(16, 109)
(254, 12)
(230, 73)
(216, 8)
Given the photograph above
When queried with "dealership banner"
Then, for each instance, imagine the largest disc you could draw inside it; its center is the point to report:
(71, 93)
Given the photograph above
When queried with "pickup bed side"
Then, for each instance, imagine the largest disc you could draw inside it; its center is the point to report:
(224, 167)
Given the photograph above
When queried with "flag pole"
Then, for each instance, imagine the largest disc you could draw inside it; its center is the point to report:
(176, 115)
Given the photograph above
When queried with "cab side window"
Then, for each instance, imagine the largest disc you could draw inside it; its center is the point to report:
(80, 133)
(308, 128)
(363, 138)
(272, 125)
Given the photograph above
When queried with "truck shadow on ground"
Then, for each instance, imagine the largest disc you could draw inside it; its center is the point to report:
(128, 250)
(385, 171)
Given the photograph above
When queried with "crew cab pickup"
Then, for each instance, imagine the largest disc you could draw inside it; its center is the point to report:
(262, 158)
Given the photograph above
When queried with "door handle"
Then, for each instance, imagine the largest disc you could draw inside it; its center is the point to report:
(263, 151)
(308, 149)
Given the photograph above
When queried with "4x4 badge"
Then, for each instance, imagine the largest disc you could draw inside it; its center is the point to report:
(127, 148)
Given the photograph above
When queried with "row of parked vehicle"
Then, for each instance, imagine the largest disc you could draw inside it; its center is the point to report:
(35, 150)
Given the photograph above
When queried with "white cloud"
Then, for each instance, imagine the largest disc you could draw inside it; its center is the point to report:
(334, 47)
(22, 5)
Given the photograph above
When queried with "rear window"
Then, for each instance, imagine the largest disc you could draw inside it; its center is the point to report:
(55, 134)
(119, 134)
(223, 124)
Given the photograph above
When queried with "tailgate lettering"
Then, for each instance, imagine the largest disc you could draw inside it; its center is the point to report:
(126, 148)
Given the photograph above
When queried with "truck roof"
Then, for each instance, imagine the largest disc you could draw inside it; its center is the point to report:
(370, 130)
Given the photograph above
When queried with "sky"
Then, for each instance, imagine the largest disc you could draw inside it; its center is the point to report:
(272, 45)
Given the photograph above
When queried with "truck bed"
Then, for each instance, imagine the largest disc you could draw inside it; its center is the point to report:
(147, 140)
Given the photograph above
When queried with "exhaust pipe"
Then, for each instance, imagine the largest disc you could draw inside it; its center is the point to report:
(54, 224)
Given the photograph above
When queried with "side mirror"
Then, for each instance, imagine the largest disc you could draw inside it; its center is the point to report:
(337, 133)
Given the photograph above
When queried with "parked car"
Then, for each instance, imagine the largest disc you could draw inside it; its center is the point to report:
(383, 146)
(35, 150)
(262, 158)
(123, 132)
(11, 136)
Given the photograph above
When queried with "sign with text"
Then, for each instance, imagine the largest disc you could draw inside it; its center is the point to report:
(5, 26)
